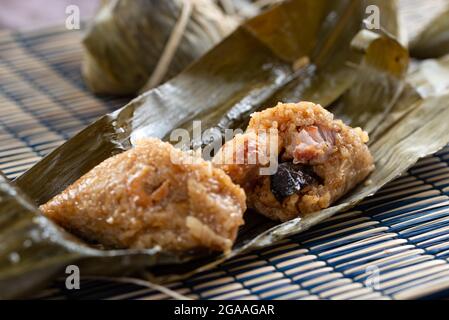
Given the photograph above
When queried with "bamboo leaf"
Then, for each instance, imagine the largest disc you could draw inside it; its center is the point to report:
(433, 41)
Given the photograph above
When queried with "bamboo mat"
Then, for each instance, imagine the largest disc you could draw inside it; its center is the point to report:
(43, 100)
(394, 245)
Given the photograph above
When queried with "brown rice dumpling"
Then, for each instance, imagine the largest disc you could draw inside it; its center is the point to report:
(319, 159)
(152, 195)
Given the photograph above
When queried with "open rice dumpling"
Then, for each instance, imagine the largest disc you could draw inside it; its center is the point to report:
(319, 159)
(152, 195)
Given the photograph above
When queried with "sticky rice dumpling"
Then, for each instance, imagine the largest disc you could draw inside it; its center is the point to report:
(318, 160)
(152, 195)
(126, 41)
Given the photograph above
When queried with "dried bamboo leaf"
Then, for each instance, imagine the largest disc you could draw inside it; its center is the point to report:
(431, 77)
(433, 41)
(126, 40)
(24, 234)
(417, 14)
(359, 75)
(129, 41)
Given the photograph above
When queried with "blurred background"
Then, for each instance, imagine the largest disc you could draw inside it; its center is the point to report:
(33, 14)
(24, 15)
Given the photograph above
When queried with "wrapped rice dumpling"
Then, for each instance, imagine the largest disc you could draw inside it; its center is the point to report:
(152, 195)
(318, 160)
(134, 43)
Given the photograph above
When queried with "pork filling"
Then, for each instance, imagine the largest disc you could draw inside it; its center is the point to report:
(310, 145)
(304, 148)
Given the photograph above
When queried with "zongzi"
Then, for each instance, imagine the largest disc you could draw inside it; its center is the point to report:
(152, 195)
(319, 159)
(133, 44)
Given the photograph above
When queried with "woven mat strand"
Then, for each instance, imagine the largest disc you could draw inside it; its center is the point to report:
(43, 100)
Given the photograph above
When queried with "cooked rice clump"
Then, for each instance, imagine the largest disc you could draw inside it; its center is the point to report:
(320, 160)
(141, 199)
